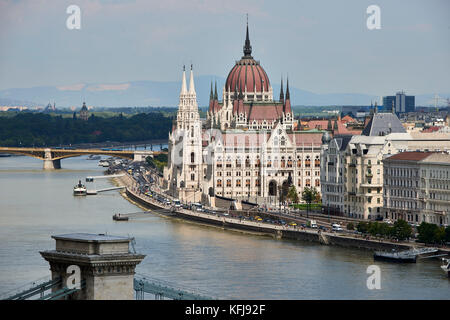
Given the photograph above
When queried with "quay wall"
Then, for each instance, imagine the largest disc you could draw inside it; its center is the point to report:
(276, 231)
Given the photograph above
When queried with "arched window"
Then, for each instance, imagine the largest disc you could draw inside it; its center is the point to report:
(192, 157)
(192, 177)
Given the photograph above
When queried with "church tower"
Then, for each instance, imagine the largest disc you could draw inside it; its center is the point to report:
(186, 144)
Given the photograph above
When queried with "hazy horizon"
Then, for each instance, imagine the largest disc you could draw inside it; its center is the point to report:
(324, 47)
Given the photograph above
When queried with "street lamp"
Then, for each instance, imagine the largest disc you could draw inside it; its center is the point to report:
(328, 205)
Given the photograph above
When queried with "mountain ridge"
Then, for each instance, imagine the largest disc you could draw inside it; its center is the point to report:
(142, 93)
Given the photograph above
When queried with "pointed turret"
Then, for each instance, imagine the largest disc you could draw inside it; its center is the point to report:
(215, 92)
(335, 127)
(329, 126)
(288, 97)
(247, 46)
(191, 82)
(183, 82)
(287, 103)
(281, 91)
(211, 96)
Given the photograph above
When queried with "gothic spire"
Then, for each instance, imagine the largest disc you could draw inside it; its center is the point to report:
(215, 91)
(281, 91)
(191, 82)
(288, 97)
(211, 96)
(183, 82)
(247, 46)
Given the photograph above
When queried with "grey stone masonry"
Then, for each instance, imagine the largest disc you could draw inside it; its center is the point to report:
(106, 265)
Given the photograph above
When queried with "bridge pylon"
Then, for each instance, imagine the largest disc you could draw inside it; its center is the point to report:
(101, 265)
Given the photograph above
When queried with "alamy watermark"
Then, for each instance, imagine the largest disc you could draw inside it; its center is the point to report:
(374, 280)
(74, 20)
(374, 20)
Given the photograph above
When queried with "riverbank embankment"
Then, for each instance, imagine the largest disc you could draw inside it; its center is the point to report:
(277, 231)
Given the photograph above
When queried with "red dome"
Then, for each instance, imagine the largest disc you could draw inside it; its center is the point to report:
(247, 72)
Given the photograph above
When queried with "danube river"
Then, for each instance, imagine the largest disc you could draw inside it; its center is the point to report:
(35, 204)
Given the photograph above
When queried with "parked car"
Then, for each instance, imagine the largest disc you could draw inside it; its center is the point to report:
(322, 228)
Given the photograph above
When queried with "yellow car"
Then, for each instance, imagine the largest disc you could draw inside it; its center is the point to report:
(292, 224)
(258, 218)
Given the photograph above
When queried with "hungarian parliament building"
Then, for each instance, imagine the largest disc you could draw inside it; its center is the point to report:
(248, 148)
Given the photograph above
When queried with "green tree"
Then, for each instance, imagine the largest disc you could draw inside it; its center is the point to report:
(402, 230)
(362, 227)
(440, 235)
(350, 226)
(428, 232)
(309, 195)
(292, 194)
(447, 234)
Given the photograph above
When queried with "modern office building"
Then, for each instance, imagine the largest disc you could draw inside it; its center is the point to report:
(400, 102)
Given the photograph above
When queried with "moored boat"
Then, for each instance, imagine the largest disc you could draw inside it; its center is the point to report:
(103, 163)
(402, 256)
(79, 189)
(446, 266)
(118, 217)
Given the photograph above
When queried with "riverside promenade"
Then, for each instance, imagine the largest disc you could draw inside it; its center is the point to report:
(261, 228)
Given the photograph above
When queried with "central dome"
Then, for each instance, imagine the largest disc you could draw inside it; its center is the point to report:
(247, 74)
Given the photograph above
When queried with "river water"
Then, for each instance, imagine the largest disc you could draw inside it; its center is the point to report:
(35, 204)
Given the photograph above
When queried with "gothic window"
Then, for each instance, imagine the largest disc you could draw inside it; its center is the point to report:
(192, 177)
(317, 162)
(219, 182)
(192, 157)
(228, 183)
(238, 182)
(307, 162)
(283, 141)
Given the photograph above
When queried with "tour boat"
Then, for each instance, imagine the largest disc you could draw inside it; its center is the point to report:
(93, 157)
(446, 266)
(79, 189)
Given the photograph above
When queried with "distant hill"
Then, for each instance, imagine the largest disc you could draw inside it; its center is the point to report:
(157, 93)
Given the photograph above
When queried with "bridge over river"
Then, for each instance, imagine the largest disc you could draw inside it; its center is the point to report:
(52, 156)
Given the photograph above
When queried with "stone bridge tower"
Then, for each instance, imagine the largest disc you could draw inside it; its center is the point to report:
(104, 265)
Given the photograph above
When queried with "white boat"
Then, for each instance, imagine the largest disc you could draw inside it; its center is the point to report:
(94, 157)
(446, 266)
(79, 189)
(103, 163)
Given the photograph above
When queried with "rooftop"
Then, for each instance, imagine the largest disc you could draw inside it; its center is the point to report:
(383, 124)
(409, 156)
(90, 237)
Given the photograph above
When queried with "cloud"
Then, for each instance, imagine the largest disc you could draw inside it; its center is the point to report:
(109, 87)
(74, 87)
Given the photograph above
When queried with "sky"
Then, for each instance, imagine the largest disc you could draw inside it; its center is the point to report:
(323, 46)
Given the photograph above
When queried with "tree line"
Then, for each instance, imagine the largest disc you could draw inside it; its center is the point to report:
(44, 130)
(428, 233)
